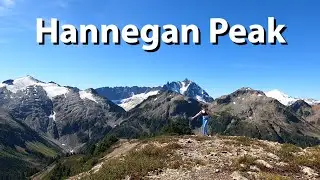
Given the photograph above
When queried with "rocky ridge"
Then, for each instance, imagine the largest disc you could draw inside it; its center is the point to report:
(68, 116)
(217, 157)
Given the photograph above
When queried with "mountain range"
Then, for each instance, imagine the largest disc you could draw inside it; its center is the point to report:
(67, 119)
(129, 97)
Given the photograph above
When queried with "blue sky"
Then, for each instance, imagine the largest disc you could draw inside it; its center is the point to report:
(220, 69)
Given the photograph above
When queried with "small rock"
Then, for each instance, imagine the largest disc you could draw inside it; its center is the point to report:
(217, 171)
(309, 172)
(236, 175)
(273, 156)
(255, 168)
(282, 164)
(253, 175)
(264, 163)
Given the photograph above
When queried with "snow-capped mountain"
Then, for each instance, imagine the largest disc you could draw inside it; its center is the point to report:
(71, 117)
(286, 99)
(52, 89)
(130, 97)
(23, 83)
(66, 115)
(189, 89)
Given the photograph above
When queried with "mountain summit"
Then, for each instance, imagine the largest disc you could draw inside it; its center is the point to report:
(248, 112)
(20, 84)
(288, 100)
(189, 89)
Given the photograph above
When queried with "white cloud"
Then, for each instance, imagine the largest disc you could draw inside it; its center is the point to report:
(7, 3)
(5, 7)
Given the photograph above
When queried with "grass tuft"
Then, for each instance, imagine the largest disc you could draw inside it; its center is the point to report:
(286, 152)
(237, 141)
(272, 176)
(139, 163)
(243, 163)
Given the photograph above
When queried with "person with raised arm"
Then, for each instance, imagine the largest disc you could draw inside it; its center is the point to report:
(205, 119)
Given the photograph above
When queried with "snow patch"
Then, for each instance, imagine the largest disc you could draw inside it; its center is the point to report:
(199, 98)
(53, 116)
(184, 87)
(24, 83)
(133, 101)
(87, 95)
(54, 90)
(288, 100)
(281, 97)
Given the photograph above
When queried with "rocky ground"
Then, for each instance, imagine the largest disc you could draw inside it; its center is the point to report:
(197, 157)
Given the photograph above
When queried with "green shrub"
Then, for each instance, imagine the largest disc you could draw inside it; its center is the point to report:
(105, 144)
(243, 163)
(138, 163)
(75, 164)
(177, 127)
(286, 152)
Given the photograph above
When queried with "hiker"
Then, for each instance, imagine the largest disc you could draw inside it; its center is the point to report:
(205, 119)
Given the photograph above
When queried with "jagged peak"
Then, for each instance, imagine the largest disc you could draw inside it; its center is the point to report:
(187, 81)
(246, 89)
